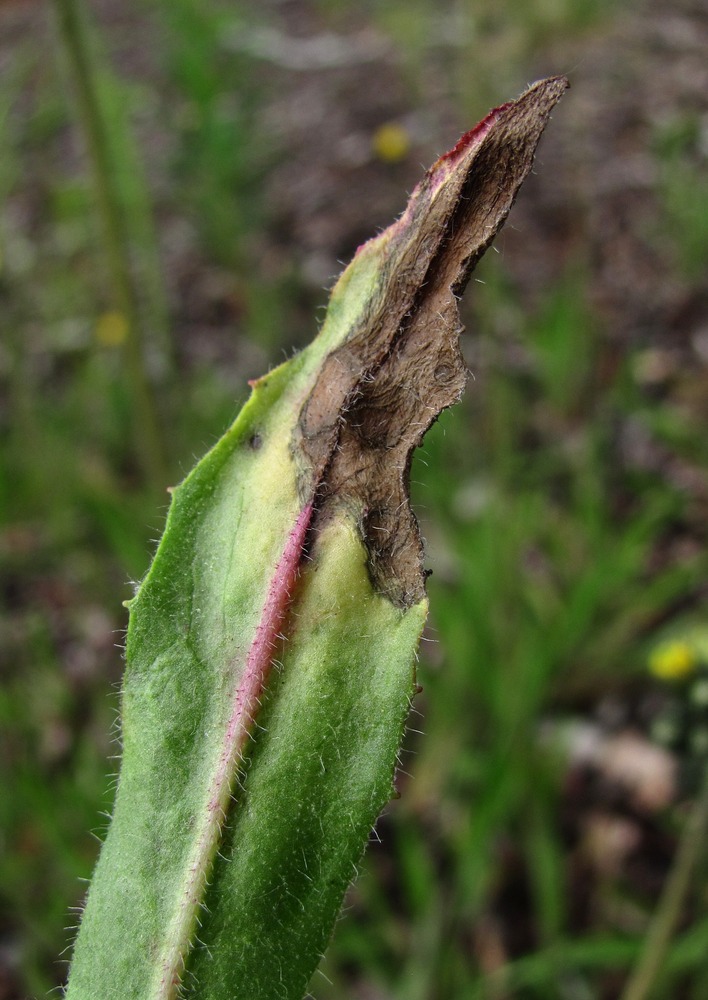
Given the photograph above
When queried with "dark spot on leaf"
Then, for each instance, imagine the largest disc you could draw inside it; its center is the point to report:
(443, 373)
(400, 367)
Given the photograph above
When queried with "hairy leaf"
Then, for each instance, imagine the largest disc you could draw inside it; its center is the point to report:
(271, 647)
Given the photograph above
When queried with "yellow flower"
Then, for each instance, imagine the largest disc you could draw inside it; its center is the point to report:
(673, 661)
(391, 142)
(111, 329)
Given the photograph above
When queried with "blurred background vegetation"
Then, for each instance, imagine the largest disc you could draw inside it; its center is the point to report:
(250, 148)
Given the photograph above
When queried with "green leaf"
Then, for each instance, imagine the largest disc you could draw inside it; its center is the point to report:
(271, 647)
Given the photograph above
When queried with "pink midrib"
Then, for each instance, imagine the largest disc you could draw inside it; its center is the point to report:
(260, 655)
(246, 702)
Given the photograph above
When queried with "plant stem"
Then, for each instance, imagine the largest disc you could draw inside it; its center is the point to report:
(148, 434)
(668, 912)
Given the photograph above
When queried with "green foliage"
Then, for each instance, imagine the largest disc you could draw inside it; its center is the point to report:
(531, 490)
(248, 904)
(226, 860)
(224, 150)
(541, 593)
(685, 191)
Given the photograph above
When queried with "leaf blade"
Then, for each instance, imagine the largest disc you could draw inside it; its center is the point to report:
(312, 476)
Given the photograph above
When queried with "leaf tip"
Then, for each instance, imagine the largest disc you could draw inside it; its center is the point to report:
(540, 97)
